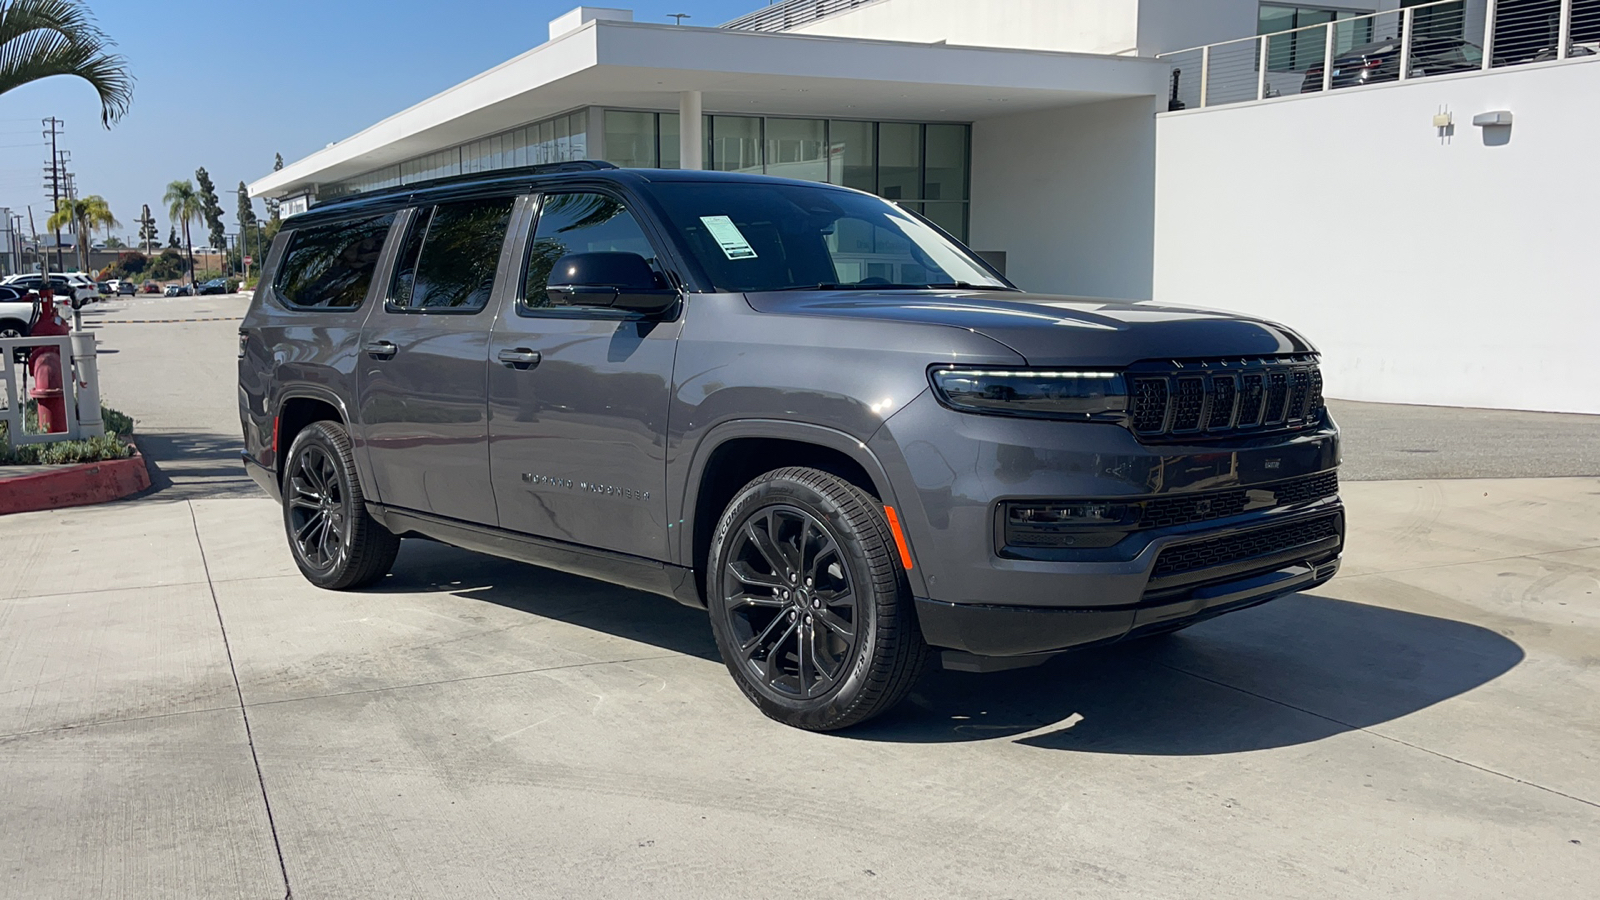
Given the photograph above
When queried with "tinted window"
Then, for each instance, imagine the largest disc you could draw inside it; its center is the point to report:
(450, 255)
(331, 266)
(773, 237)
(579, 223)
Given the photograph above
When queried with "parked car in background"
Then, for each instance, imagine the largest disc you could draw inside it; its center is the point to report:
(126, 288)
(179, 290)
(104, 288)
(151, 287)
(78, 294)
(17, 312)
(215, 286)
(1379, 62)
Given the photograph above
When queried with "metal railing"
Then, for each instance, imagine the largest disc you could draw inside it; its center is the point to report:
(81, 389)
(789, 14)
(1430, 39)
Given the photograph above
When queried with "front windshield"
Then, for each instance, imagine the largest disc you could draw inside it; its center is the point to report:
(753, 236)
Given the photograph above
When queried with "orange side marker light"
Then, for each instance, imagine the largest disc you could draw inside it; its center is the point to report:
(899, 537)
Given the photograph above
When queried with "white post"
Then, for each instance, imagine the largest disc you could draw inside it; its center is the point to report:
(1492, 14)
(1261, 77)
(691, 131)
(86, 372)
(1327, 60)
(1408, 17)
(1205, 74)
(1565, 31)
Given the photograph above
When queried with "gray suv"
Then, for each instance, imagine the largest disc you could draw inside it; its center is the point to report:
(797, 406)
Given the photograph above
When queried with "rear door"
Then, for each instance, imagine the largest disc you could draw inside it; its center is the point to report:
(578, 396)
(423, 405)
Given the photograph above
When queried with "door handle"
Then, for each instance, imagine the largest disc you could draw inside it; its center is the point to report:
(382, 349)
(520, 358)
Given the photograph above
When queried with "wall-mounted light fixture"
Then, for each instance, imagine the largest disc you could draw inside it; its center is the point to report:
(1496, 118)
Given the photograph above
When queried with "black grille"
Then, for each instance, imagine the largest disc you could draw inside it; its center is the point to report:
(1223, 397)
(1251, 544)
(1183, 510)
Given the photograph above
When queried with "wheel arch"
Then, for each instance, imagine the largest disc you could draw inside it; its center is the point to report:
(734, 453)
(298, 408)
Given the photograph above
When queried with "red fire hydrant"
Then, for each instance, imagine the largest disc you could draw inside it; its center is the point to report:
(45, 365)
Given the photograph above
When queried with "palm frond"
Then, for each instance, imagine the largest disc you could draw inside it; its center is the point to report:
(44, 38)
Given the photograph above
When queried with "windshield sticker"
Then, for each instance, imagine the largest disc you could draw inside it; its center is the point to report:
(729, 237)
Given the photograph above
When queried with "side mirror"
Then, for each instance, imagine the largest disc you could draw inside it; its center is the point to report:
(614, 279)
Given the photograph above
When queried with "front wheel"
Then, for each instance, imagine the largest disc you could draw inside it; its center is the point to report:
(809, 602)
(335, 541)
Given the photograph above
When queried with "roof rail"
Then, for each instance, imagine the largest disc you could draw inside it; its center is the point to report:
(508, 173)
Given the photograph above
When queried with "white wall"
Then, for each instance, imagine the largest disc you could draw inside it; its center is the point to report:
(1068, 194)
(1452, 271)
(1083, 26)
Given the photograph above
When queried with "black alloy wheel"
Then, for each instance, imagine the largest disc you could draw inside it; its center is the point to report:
(810, 604)
(335, 542)
(789, 601)
(319, 509)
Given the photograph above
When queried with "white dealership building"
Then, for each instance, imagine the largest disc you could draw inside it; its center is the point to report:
(1424, 223)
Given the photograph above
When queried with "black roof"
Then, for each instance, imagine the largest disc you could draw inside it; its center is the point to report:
(522, 178)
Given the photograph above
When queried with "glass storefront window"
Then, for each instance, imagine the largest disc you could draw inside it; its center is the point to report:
(797, 148)
(899, 161)
(735, 144)
(671, 158)
(853, 155)
(946, 175)
(631, 139)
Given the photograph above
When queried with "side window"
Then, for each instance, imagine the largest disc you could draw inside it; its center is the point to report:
(578, 223)
(331, 266)
(450, 255)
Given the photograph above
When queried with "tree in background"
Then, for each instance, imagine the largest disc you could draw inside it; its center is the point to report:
(115, 243)
(249, 227)
(184, 206)
(148, 235)
(43, 38)
(83, 215)
(272, 205)
(172, 238)
(167, 266)
(210, 208)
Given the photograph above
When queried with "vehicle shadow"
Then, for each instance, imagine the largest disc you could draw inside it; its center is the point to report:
(192, 465)
(1299, 669)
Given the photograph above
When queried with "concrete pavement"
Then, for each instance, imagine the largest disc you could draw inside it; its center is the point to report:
(181, 714)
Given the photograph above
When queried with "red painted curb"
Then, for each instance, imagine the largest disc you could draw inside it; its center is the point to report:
(78, 485)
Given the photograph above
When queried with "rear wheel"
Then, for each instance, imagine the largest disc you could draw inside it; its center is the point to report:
(335, 541)
(809, 603)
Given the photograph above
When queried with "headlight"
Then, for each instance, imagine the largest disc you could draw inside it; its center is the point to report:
(1039, 393)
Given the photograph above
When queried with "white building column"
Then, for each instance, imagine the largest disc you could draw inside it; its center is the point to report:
(691, 131)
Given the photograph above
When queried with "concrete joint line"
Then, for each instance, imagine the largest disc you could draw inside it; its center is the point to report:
(244, 714)
(82, 725)
(464, 678)
(1379, 734)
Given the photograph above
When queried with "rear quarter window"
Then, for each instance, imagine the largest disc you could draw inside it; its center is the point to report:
(331, 266)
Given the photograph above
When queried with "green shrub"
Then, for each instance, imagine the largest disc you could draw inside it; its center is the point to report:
(113, 445)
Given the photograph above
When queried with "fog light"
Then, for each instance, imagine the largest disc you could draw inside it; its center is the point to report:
(1067, 525)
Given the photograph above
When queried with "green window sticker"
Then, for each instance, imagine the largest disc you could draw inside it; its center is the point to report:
(729, 237)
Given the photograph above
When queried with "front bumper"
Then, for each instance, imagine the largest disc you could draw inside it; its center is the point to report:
(1021, 631)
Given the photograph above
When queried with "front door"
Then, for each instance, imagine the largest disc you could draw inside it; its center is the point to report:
(424, 354)
(578, 396)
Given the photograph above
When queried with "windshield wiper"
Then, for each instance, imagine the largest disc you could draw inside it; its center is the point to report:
(969, 286)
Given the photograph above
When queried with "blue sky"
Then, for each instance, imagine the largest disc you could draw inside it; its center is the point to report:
(224, 85)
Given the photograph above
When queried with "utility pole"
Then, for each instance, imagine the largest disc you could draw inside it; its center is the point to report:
(54, 127)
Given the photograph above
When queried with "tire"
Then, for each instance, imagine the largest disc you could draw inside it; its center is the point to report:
(335, 541)
(845, 604)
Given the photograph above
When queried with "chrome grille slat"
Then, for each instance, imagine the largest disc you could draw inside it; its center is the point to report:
(1218, 398)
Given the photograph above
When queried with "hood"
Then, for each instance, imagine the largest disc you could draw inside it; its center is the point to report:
(1056, 331)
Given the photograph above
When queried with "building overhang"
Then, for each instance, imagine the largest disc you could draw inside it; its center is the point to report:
(645, 66)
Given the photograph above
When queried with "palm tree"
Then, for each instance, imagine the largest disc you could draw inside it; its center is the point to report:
(42, 38)
(84, 216)
(184, 205)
